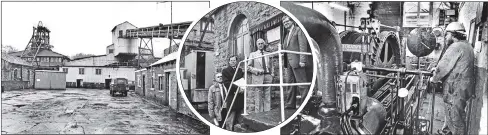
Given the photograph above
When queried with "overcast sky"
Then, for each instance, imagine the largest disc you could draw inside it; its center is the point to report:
(85, 27)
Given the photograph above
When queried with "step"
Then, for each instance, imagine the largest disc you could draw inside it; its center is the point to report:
(265, 120)
(242, 129)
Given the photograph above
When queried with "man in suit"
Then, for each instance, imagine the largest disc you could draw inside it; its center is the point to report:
(261, 71)
(227, 75)
(298, 67)
(216, 96)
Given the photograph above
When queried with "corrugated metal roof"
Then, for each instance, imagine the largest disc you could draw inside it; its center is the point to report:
(167, 58)
(54, 71)
(43, 52)
(15, 60)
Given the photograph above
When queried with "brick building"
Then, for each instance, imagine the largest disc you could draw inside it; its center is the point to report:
(16, 73)
(158, 83)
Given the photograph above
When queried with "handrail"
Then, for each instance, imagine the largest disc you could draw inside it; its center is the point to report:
(281, 84)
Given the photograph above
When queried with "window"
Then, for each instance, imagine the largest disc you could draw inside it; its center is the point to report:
(98, 71)
(203, 24)
(65, 70)
(81, 71)
(110, 50)
(139, 80)
(44, 59)
(411, 12)
(240, 37)
(273, 34)
(121, 33)
(15, 74)
(152, 80)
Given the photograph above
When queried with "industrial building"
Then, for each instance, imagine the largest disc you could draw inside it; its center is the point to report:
(39, 51)
(157, 81)
(122, 58)
(16, 73)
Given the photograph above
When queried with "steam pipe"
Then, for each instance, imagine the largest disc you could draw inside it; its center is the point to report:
(329, 49)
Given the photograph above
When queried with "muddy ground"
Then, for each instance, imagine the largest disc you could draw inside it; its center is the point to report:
(90, 111)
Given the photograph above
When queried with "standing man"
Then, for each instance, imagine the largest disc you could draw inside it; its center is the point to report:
(261, 74)
(296, 65)
(455, 70)
(227, 75)
(216, 96)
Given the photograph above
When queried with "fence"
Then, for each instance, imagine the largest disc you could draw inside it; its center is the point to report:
(281, 84)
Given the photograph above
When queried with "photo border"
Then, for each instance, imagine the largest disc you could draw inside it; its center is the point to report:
(314, 52)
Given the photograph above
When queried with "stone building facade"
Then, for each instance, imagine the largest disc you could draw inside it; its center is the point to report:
(16, 73)
(237, 26)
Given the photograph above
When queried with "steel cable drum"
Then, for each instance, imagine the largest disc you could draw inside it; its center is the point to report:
(385, 49)
(421, 42)
(351, 38)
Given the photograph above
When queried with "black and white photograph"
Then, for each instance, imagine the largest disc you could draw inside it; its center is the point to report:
(395, 67)
(95, 67)
(246, 67)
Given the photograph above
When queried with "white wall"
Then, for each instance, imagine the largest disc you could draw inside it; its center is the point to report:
(123, 45)
(108, 48)
(90, 75)
(93, 61)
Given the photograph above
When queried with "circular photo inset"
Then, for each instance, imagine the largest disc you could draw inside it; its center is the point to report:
(246, 67)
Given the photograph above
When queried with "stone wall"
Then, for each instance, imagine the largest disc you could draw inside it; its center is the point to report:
(255, 13)
(15, 85)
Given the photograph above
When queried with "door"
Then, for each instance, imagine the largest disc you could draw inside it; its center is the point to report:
(167, 86)
(42, 80)
(107, 83)
(78, 83)
(143, 85)
(200, 74)
(162, 88)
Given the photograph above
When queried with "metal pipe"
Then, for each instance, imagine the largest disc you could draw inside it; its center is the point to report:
(401, 70)
(432, 111)
(348, 26)
(380, 76)
(287, 84)
(245, 88)
(282, 99)
(329, 50)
